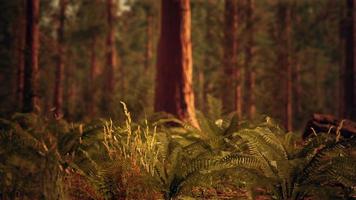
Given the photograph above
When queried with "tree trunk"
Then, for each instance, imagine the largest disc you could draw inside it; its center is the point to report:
(109, 84)
(284, 24)
(250, 75)
(174, 92)
(207, 56)
(59, 74)
(20, 49)
(231, 73)
(348, 109)
(30, 95)
(92, 90)
(149, 37)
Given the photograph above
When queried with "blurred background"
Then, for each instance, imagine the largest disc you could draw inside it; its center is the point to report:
(290, 58)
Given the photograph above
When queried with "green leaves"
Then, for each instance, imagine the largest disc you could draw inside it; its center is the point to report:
(115, 158)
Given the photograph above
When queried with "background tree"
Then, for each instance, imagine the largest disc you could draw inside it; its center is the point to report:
(231, 72)
(109, 81)
(174, 92)
(31, 96)
(58, 88)
(348, 109)
(250, 75)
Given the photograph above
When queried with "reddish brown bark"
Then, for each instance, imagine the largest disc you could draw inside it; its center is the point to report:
(207, 58)
(92, 91)
(173, 92)
(250, 74)
(284, 61)
(30, 95)
(20, 49)
(231, 99)
(59, 73)
(109, 83)
(348, 105)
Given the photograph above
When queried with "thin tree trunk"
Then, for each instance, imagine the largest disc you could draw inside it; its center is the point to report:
(284, 17)
(30, 95)
(349, 108)
(149, 37)
(289, 104)
(207, 56)
(250, 75)
(20, 49)
(92, 91)
(59, 74)
(298, 87)
(109, 83)
(230, 60)
(174, 92)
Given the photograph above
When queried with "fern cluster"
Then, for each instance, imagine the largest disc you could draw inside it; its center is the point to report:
(163, 157)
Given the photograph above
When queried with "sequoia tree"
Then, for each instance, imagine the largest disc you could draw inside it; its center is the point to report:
(30, 95)
(284, 59)
(348, 105)
(19, 29)
(173, 91)
(231, 98)
(250, 74)
(58, 86)
(109, 83)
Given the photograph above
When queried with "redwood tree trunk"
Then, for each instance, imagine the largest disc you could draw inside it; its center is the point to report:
(250, 75)
(92, 90)
(109, 83)
(30, 95)
(231, 98)
(59, 74)
(207, 57)
(348, 76)
(173, 92)
(20, 49)
(284, 61)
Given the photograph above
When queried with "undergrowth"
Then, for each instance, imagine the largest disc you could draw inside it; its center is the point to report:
(165, 158)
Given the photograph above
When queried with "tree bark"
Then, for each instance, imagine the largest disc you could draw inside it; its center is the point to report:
(92, 90)
(109, 84)
(348, 109)
(173, 91)
(250, 74)
(20, 49)
(30, 95)
(284, 61)
(231, 99)
(59, 73)
(207, 57)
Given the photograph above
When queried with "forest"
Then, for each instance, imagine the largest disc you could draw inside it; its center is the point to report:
(177, 99)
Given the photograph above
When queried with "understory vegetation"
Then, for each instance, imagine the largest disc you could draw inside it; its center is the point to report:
(164, 158)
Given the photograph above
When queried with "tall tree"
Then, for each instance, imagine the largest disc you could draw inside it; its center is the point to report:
(149, 36)
(284, 59)
(19, 49)
(31, 96)
(173, 92)
(92, 90)
(207, 57)
(231, 99)
(109, 84)
(250, 74)
(348, 73)
(59, 73)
